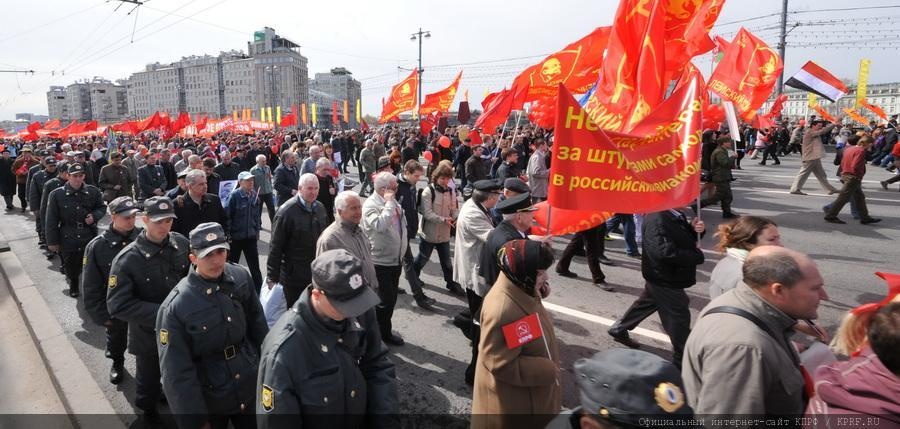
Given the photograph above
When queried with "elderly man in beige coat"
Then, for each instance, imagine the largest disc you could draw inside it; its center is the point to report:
(739, 358)
(812, 153)
(385, 225)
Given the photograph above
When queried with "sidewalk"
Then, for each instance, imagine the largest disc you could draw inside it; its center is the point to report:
(27, 387)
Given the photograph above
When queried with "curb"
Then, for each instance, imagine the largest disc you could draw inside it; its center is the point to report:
(82, 397)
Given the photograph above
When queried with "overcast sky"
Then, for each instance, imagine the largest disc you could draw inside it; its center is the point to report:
(86, 38)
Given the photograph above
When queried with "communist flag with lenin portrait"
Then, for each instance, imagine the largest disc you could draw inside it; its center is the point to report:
(746, 74)
(442, 100)
(402, 98)
(655, 166)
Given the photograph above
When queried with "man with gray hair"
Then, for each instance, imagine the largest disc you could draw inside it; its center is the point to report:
(309, 164)
(345, 233)
(385, 225)
(182, 163)
(197, 205)
(298, 224)
(747, 331)
(262, 181)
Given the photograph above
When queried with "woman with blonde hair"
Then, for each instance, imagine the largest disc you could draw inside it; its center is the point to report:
(736, 239)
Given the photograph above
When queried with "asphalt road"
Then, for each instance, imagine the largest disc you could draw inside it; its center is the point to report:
(430, 366)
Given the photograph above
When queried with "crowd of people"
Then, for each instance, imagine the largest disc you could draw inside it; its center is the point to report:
(173, 292)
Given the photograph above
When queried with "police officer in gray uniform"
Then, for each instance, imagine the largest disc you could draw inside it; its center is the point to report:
(73, 212)
(209, 332)
(323, 363)
(98, 257)
(140, 278)
(36, 190)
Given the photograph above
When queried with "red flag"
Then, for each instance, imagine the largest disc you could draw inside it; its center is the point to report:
(33, 127)
(201, 124)
(823, 113)
(497, 107)
(150, 122)
(364, 126)
(687, 31)
(52, 125)
(334, 113)
(631, 82)
(566, 221)
(183, 120)
(402, 98)
(522, 331)
(746, 74)
(289, 120)
(777, 106)
(874, 109)
(575, 66)
(427, 124)
(475, 138)
(654, 167)
(71, 128)
(442, 100)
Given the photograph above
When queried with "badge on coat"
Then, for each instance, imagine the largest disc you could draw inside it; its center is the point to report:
(267, 398)
(163, 337)
(112, 282)
(669, 397)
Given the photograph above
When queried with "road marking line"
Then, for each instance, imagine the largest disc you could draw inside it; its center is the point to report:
(822, 195)
(604, 321)
(763, 176)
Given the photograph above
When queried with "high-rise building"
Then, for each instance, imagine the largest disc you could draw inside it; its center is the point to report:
(281, 74)
(340, 86)
(57, 105)
(108, 100)
(78, 95)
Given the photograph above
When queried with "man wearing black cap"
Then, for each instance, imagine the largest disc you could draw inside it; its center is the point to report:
(114, 179)
(511, 187)
(72, 215)
(473, 226)
(7, 178)
(181, 185)
(151, 180)
(62, 176)
(323, 364)
(140, 278)
(619, 388)
(35, 190)
(211, 327)
(98, 257)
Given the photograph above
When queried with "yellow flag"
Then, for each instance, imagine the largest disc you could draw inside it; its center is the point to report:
(269, 114)
(812, 100)
(234, 115)
(862, 80)
(278, 115)
(262, 114)
(314, 113)
(358, 111)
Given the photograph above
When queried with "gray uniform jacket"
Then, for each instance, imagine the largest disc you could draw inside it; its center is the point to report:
(325, 374)
(98, 257)
(49, 187)
(66, 211)
(209, 334)
(141, 277)
(36, 187)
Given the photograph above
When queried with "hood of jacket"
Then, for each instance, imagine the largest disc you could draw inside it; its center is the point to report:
(861, 385)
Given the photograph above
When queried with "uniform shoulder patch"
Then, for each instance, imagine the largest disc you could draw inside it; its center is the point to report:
(163, 337)
(267, 398)
(84, 260)
(112, 282)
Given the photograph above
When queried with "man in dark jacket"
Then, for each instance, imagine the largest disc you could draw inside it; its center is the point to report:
(59, 181)
(217, 300)
(114, 181)
(168, 169)
(244, 213)
(197, 206)
(323, 364)
(720, 165)
(286, 177)
(509, 168)
(227, 169)
(475, 167)
(36, 190)
(213, 180)
(151, 181)
(140, 278)
(409, 151)
(298, 224)
(73, 212)
(406, 196)
(98, 257)
(669, 265)
(7, 179)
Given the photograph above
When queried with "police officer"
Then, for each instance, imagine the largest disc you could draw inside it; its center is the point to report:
(210, 329)
(35, 191)
(323, 363)
(620, 388)
(59, 181)
(98, 257)
(141, 277)
(72, 215)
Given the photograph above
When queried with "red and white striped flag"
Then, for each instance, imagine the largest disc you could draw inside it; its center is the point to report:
(815, 79)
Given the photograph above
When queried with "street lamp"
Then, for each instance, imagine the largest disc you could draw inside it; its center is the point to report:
(418, 36)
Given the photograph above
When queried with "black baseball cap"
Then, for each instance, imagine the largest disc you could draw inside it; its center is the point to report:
(208, 236)
(624, 385)
(487, 185)
(76, 168)
(124, 206)
(339, 275)
(159, 208)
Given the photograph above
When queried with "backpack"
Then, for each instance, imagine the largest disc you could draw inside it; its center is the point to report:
(419, 197)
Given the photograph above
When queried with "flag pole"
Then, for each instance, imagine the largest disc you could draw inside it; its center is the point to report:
(544, 337)
(516, 131)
